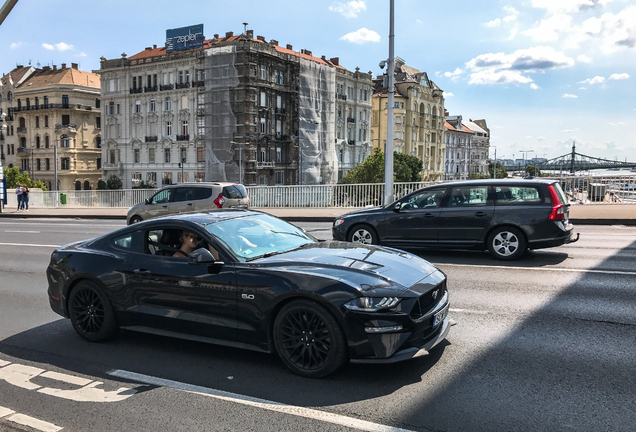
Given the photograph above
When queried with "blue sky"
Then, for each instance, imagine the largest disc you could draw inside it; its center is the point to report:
(541, 72)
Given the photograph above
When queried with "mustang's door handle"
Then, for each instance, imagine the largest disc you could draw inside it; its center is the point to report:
(480, 214)
(189, 204)
(429, 215)
(165, 206)
(142, 271)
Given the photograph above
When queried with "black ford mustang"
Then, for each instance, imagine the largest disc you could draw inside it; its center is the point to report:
(257, 282)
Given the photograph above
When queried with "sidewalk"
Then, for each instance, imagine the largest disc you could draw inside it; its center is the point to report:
(601, 214)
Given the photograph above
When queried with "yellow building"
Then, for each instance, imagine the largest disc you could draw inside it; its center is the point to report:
(59, 107)
(418, 119)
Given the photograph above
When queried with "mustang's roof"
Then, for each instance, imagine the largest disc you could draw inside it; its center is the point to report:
(205, 218)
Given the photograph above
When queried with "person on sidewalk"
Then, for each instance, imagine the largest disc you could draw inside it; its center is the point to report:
(25, 198)
(18, 194)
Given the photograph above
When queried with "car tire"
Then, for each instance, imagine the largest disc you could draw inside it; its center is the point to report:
(135, 219)
(506, 243)
(363, 234)
(309, 340)
(91, 313)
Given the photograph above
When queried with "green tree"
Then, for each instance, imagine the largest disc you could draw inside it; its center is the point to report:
(405, 169)
(14, 178)
(114, 182)
(501, 171)
(101, 185)
(533, 171)
(478, 176)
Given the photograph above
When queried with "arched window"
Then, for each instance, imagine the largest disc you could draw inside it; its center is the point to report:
(37, 142)
(22, 122)
(10, 96)
(0, 97)
(78, 185)
(46, 141)
(65, 141)
(87, 185)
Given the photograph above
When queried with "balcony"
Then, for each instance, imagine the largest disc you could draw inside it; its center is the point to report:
(351, 142)
(150, 89)
(21, 130)
(70, 127)
(51, 106)
(166, 87)
(23, 151)
(341, 96)
(198, 83)
(183, 137)
(151, 139)
(136, 90)
(281, 111)
(280, 136)
(264, 165)
(421, 114)
(351, 120)
(182, 85)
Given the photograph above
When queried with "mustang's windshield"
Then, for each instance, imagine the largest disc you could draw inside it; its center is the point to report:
(251, 237)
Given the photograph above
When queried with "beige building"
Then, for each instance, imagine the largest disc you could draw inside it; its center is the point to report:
(59, 107)
(9, 142)
(418, 119)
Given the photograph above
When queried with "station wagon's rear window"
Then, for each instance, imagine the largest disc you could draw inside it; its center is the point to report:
(201, 193)
(511, 195)
(469, 195)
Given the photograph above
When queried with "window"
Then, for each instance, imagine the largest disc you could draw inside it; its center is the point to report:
(151, 178)
(263, 73)
(168, 104)
(117, 109)
(263, 126)
(200, 154)
(136, 179)
(98, 142)
(187, 76)
(37, 121)
(46, 141)
(184, 127)
(183, 194)
(151, 155)
(97, 103)
(153, 106)
(278, 77)
(98, 161)
(112, 156)
(425, 199)
(10, 96)
(65, 101)
(111, 108)
(180, 77)
(37, 164)
(184, 101)
(280, 177)
(163, 196)
(166, 179)
(279, 155)
(138, 106)
(168, 128)
(64, 139)
(511, 195)
(47, 164)
(111, 85)
(136, 157)
(166, 156)
(66, 119)
(469, 196)
(124, 242)
(263, 99)
(65, 163)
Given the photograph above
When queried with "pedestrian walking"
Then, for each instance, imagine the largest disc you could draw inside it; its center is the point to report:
(25, 198)
(18, 194)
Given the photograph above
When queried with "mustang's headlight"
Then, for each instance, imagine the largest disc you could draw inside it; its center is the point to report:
(372, 304)
(338, 222)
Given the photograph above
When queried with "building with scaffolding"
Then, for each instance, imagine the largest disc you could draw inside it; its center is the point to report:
(231, 108)
(418, 118)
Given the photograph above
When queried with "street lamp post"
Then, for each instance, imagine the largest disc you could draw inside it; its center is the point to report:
(525, 155)
(388, 148)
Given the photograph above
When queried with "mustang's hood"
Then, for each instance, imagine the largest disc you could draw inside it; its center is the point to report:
(343, 260)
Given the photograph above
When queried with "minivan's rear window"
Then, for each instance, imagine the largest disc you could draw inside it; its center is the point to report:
(201, 193)
(512, 195)
(235, 191)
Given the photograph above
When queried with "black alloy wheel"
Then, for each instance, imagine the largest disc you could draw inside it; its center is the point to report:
(309, 340)
(91, 314)
(506, 243)
(135, 219)
(363, 234)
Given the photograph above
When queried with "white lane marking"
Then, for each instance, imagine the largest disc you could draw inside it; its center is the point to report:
(5, 412)
(469, 311)
(611, 272)
(89, 393)
(4, 363)
(259, 403)
(34, 423)
(29, 244)
(20, 375)
(71, 379)
(70, 224)
(26, 232)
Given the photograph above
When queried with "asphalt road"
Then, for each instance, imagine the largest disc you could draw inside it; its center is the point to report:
(545, 343)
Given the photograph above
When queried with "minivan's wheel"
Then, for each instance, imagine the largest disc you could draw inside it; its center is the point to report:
(91, 313)
(309, 340)
(506, 243)
(363, 234)
(135, 219)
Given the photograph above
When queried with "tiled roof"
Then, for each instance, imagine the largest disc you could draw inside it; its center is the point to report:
(62, 76)
(450, 127)
(16, 75)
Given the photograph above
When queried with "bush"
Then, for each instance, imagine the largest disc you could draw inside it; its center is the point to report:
(14, 178)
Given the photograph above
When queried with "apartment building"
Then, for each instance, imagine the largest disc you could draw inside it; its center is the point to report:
(418, 118)
(457, 154)
(480, 146)
(55, 116)
(231, 108)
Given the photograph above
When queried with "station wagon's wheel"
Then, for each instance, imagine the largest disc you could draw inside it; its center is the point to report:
(363, 234)
(309, 340)
(506, 243)
(135, 219)
(91, 313)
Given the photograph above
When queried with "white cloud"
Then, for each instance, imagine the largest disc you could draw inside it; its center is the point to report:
(513, 33)
(528, 136)
(569, 96)
(567, 5)
(533, 86)
(494, 23)
(541, 138)
(619, 76)
(448, 94)
(613, 31)
(616, 124)
(62, 46)
(438, 73)
(349, 10)
(501, 68)
(596, 80)
(83, 54)
(15, 45)
(568, 130)
(509, 18)
(550, 29)
(454, 76)
(361, 36)
(582, 88)
(584, 59)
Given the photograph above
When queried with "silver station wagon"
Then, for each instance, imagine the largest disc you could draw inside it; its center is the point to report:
(188, 197)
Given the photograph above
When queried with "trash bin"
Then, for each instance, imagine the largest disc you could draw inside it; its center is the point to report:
(63, 198)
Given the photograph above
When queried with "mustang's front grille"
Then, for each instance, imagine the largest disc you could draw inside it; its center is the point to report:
(427, 301)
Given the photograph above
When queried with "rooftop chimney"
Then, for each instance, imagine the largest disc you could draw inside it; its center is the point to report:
(54, 67)
(74, 66)
(63, 65)
(154, 47)
(229, 34)
(261, 38)
(274, 42)
(307, 52)
(250, 34)
(216, 35)
(46, 68)
(335, 60)
(147, 49)
(289, 47)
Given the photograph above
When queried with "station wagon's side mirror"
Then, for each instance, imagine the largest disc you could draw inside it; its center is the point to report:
(201, 256)
(397, 207)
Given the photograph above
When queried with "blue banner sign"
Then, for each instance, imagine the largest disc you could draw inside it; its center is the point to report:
(184, 38)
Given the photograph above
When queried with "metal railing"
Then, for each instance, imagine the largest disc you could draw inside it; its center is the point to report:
(609, 190)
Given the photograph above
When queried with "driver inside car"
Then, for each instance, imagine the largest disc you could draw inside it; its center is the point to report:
(189, 243)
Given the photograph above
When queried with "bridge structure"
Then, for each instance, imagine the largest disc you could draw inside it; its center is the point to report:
(573, 162)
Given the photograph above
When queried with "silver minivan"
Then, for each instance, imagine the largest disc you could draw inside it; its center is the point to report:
(187, 197)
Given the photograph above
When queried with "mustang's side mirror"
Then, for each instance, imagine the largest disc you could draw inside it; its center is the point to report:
(147, 200)
(201, 256)
(397, 207)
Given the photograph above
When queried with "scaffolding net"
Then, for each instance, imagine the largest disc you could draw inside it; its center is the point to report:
(316, 132)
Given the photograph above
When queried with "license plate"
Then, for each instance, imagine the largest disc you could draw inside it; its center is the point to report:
(439, 317)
